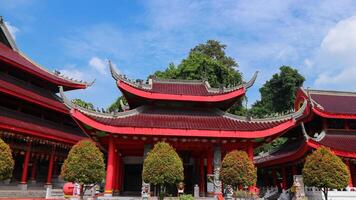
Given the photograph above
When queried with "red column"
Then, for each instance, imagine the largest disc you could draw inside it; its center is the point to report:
(50, 169)
(121, 173)
(110, 167)
(25, 164)
(202, 177)
(274, 176)
(114, 181)
(209, 162)
(284, 178)
(118, 173)
(250, 151)
(250, 156)
(33, 171)
(348, 167)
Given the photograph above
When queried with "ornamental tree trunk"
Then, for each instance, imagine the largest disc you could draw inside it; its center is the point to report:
(325, 192)
(81, 191)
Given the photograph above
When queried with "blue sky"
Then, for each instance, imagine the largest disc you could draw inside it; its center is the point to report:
(77, 37)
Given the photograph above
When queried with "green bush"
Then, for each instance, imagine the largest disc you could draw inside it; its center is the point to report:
(238, 170)
(186, 197)
(84, 164)
(6, 161)
(323, 169)
(162, 166)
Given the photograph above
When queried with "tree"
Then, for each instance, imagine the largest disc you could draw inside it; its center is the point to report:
(84, 165)
(7, 163)
(206, 61)
(116, 106)
(238, 170)
(323, 169)
(162, 166)
(275, 144)
(83, 104)
(278, 93)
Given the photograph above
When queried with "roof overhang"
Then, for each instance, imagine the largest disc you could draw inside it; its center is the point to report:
(28, 95)
(181, 132)
(27, 128)
(225, 99)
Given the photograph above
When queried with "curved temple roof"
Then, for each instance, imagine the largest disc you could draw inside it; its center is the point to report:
(11, 54)
(341, 142)
(179, 90)
(332, 104)
(145, 120)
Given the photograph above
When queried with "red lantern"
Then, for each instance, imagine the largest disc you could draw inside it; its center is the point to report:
(68, 189)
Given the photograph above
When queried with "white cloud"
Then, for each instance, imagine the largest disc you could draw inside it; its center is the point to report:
(99, 65)
(260, 35)
(335, 62)
(342, 80)
(73, 73)
(12, 29)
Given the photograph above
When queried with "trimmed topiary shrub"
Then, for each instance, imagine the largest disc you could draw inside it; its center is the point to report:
(186, 197)
(84, 165)
(323, 169)
(162, 166)
(7, 163)
(238, 170)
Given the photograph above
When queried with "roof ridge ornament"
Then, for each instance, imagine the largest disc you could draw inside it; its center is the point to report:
(8, 35)
(125, 107)
(305, 134)
(295, 115)
(251, 81)
(71, 105)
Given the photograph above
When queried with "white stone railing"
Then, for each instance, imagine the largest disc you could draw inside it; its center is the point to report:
(314, 193)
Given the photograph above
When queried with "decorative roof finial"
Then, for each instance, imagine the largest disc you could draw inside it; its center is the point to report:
(252, 81)
(113, 71)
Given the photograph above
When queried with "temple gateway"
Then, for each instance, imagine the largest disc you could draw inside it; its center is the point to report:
(41, 124)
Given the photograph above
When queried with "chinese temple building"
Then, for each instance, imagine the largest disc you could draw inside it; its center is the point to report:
(331, 123)
(33, 119)
(190, 115)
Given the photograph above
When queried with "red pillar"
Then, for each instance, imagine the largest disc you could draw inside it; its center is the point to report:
(250, 151)
(202, 177)
(274, 176)
(250, 156)
(114, 181)
(110, 167)
(50, 169)
(209, 162)
(25, 164)
(33, 171)
(284, 178)
(348, 167)
(121, 180)
(118, 173)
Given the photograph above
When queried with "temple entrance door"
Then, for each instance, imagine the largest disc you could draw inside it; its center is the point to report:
(132, 182)
(190, 171)
(132, 179)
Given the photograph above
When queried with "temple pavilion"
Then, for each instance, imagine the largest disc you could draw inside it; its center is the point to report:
(190, 115)
(33, 119)
(331, 123)
(41, 124)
